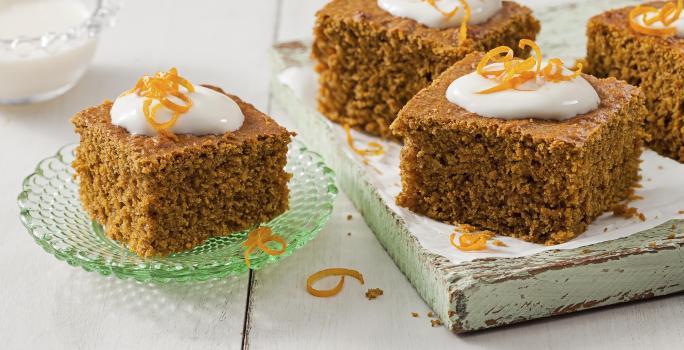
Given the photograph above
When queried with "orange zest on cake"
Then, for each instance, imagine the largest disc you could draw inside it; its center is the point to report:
(468, 242)
(374, 148)
(650, 15)
(463, 31)
(258, 238)
(341, 272)
(163, 87)
(516, 71)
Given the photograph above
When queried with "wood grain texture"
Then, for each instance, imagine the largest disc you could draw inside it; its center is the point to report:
(493, 292)
(47, 304)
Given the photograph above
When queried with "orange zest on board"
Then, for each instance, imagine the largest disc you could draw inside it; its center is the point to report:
(649, 15)
(374, 148)
(463, 31)
(329, 273)
(468, 242)
(514, 72)
(258, 238)
(165, 89)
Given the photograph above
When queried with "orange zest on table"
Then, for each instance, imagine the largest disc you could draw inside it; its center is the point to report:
(163, 87)
(666, 15)
(374, 148)
(468, 242)
(329, 273)
(463, 31)
(515, 72)
(258, 238)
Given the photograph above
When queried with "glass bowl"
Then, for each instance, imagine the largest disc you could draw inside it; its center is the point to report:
(40, 68)
(52, 213)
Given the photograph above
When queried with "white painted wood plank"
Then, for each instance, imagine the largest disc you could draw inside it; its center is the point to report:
(46, 304)
(284, 316)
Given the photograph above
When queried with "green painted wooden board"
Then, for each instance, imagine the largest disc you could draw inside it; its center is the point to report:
(494, 292)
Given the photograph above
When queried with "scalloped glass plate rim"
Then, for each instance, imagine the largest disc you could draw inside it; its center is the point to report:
(151, 270)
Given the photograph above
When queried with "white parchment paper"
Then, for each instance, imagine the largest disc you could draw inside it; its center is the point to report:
(662, 190)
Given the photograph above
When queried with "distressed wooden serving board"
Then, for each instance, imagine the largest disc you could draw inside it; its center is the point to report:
(494, 292)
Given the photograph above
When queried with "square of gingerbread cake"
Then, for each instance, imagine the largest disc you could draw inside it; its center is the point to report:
(371, 61)
(621, 45)
(160, 195)
(538, 180)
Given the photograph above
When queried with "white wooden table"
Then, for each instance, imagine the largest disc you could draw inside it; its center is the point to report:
(46, 304)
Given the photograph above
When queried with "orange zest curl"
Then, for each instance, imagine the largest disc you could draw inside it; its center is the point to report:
(495, 56)
(374, 148)
(258, 238)
(463, 31)
(666, 15)
(469, 242)
(329, 273)
(515, 72)
(163, 87)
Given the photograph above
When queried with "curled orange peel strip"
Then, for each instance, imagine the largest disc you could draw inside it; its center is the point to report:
(468, 242)
(463, 30)
(374, 148)
(258, 238)
(666, 15)
(518, 71)
(341, 272)
(160, 87)
(537, 50)
(499, 54)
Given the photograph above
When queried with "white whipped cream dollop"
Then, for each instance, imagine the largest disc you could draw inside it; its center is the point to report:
(212, 113)
(422, 12)
(678, 24)
(536, 99)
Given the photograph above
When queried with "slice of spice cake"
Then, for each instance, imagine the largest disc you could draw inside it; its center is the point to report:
(648, 54)
(374, 55)
(215, 166)
(524, 148)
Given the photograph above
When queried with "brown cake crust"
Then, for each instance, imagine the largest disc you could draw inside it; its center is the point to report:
(656, 64)
(539, 180)
(161, 196)
(371, 63)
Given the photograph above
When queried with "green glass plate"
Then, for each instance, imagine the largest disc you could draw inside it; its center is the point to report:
(52, 213)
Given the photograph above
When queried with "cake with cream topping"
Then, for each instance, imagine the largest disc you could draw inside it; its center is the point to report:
(374, 55)
(644, 46)
(521, 147)
(170, 164)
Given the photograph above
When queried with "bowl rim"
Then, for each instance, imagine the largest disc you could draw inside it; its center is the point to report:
(100, 18)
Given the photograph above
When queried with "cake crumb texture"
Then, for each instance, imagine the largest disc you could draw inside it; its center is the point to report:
(653, 63)
(538, 180)
(371, 63)
(160, 196)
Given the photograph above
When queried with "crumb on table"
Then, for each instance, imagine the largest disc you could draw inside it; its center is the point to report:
(436, 323)
(414, 314)
(349, 217)
(430, 314)
(374, 293)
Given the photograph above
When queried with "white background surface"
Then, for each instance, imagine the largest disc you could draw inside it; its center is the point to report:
(46, 304)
